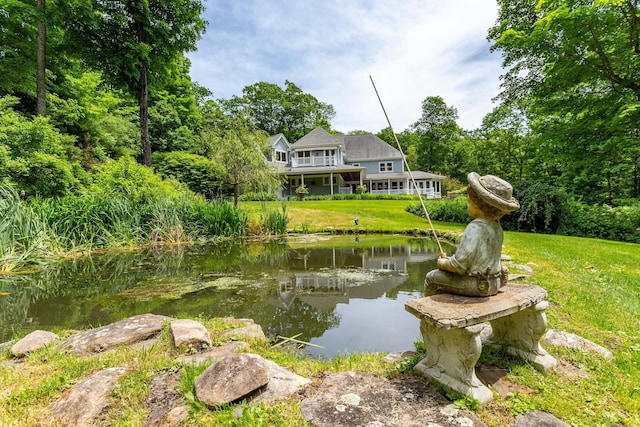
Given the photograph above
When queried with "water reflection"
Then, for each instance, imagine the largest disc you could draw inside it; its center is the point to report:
(343, 294)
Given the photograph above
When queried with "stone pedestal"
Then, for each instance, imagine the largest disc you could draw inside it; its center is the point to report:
(451, 326)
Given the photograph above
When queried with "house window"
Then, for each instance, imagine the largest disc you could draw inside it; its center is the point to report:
(386, 166)
(293, 182)
(326, 181)
(281, 156)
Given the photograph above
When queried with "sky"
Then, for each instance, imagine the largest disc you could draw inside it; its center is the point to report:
(412, 49)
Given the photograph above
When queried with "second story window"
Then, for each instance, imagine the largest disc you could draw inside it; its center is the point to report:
(281, 156)
(386, 166)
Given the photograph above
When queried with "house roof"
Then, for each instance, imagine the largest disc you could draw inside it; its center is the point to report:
(318, 138)
(367, 146)
(274, 138)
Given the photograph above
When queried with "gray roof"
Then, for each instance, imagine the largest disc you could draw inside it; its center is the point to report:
(274, 138)
(367, 146)
(318, 138)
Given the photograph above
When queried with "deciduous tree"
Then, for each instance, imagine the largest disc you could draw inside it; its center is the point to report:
(239, 150)
(289, 111)
(578, 63)
(134, 41)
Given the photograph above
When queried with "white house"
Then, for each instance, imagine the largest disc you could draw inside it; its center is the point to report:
(337, 164)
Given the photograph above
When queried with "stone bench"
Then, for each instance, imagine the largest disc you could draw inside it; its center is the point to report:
(451, 326)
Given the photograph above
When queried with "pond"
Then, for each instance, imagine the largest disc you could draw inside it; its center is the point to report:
(342, 293)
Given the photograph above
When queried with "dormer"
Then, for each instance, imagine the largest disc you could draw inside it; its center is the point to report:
(280, 147)
(318, 148)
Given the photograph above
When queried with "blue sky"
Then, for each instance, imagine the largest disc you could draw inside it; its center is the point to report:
(412, 48)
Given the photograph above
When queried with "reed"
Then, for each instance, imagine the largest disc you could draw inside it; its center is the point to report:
(274, 221)
(42, 228)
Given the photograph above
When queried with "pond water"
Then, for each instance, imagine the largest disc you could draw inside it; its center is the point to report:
(343, 293)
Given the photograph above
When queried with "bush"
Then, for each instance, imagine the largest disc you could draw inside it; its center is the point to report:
(443, 210)
(542, 208)
(621, 223)
(252, 196)
(35, 156)
(199, 173)
(363, 196)
(138, 183)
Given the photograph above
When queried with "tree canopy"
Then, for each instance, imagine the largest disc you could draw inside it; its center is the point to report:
(134, 42)
(289, 111)
(577, 63)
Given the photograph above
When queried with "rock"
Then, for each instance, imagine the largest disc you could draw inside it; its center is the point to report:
(353, 399)
(186, 333)
(282, 384)
(231, 379)
(252, 331)
(568, 340)
(539, 419)
(165, 405)
(215, 354)
(32, 342)
(499, 381)
(125, 332)
(87, 399)
(517, 276)
(399, 356)
(524, 268)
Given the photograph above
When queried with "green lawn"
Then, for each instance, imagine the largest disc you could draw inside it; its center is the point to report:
(373, 215)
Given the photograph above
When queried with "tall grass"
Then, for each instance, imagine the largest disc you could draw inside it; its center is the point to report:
(274, 221)
(41, 228)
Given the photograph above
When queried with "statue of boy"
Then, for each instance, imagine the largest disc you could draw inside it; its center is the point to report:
(475, 268)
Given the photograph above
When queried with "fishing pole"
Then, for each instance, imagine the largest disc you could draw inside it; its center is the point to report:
(404, 158)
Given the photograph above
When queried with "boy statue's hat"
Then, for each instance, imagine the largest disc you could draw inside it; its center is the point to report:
(494, 191)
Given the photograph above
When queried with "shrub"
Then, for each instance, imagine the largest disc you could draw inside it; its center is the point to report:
(443, 210)
(262, 196)
(621, 223)
(199, 173)
(134, 181)
(542, 207)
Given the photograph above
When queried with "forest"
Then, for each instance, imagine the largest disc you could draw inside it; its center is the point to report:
(96, 100)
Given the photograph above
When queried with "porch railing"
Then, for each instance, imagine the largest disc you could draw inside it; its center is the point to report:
(297, 162)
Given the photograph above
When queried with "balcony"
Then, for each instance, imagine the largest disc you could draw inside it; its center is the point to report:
(314, 161)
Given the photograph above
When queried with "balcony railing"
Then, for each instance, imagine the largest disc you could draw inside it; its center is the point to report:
(298, 162)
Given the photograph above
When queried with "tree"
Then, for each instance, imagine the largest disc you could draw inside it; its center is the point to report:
(41, 43)
(239, 150)
(274, 110)
(436, 131)
(578, 64)
(505, 145)
(134, 41)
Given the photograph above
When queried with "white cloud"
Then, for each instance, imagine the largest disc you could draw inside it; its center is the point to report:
(412, 48)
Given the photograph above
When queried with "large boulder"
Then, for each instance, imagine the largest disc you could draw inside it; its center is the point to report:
(87, 400)
(32, 342)
(231, 379)
(125, 332)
